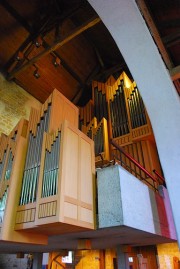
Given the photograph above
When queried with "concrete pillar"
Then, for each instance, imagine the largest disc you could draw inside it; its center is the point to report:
(128, 28)
(37, 260)
(122, 258)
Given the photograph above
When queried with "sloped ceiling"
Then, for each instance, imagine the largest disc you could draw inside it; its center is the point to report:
(35, 34)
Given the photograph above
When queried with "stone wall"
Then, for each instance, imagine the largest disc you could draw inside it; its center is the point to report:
(10, 261)
(15, 103)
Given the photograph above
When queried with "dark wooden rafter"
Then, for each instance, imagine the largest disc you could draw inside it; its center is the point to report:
(87, 82)
(171, 23)
(77, 31)
(63, 63)
(172, 39)
(22, 47)
(33, 34)
(54, 54)
(145, 12)
(16, 15)
(96, 51)
(111, 70)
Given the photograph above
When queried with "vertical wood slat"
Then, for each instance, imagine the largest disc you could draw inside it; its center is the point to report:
(62, 109)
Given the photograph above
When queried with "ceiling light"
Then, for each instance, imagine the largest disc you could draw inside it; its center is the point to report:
(36, 73)
(19, 56)
(38, 42)
(57, 62)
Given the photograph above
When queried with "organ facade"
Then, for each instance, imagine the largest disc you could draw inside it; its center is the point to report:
(49, 185)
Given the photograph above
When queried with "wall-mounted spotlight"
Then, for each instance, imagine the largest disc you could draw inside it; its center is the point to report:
(38, 42)
(36, 73)
(57, 61)
(19, 56)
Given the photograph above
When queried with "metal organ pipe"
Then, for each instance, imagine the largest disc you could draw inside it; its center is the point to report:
(2, 164)
(141, 106)
(100, 105)
(51, 167)
(118, 113)
(137, 109)
(9, 166)
(33, 158)
(99, 140)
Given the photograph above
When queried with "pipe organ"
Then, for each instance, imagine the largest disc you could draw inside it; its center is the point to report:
(47, 165)
(120, 103)
(47, 175)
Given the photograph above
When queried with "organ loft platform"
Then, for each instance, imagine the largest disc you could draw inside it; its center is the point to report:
(71, 174)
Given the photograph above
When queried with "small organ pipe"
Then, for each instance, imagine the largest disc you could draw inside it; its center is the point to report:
(33, 158)
(51, 168)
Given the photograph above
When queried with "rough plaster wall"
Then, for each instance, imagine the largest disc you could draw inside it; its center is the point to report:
(15, 104)
(9, 261)
(166, 252)
(108, 182)
(121, 209)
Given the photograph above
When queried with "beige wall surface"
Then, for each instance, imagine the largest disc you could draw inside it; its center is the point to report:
(15, 103)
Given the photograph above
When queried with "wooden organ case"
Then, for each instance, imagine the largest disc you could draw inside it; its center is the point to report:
(47, 171)
(59, 167)
(13, 153)
(119, 108)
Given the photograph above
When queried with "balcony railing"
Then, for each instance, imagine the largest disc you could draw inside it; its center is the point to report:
(135, 168)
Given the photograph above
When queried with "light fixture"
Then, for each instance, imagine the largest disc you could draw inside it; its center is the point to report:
(57, 61)
(38, 42)
(19, 56)
(36, 73)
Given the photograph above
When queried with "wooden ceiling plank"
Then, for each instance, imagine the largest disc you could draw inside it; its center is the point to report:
(16, 15)
(77, 31)
(172, 39)
(143, 8)
(30, 38)
(63, 63)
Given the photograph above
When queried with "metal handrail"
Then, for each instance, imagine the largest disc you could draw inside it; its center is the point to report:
(159, 176)
(135, 163)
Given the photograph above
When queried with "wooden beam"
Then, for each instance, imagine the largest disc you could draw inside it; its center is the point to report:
(30, 38)
(175, 73)
(145, 12)
(105, 73)
(172, 39)
(59, 43)
(64, 64)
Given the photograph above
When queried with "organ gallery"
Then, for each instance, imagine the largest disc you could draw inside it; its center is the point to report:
(48, 165)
